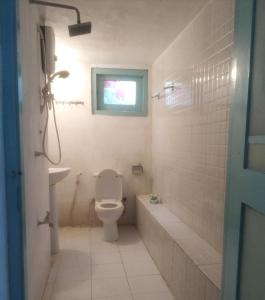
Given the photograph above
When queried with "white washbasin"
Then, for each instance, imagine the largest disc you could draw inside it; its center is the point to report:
(57, 174)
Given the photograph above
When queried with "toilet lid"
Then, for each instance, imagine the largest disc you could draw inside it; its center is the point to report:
(109, 186)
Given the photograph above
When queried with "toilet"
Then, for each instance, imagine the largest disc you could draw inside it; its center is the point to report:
(108, 204)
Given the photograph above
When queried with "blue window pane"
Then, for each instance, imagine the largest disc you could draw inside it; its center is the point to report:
(119, 92)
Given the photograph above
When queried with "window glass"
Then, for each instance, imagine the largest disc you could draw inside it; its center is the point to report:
(119, 92)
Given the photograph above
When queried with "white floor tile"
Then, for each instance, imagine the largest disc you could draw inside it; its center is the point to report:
(75, 243)
(108, 271)
(68, 276)
(133, 254)
(96, 234)
(67, 260)
(105, 257)
(109, 287)
(147, 284)
(128, 234)
(82, 246)
(130, 245)
(104, 246)
(83, 259)
(123, 297)
(90, 268)
(153, 296)
(75, 291)
(142, 266)
(77, 234)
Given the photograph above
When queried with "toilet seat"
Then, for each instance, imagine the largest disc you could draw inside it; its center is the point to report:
(109, 204)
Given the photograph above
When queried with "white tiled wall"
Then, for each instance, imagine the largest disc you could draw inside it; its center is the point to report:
(91, 143)
(190, 124)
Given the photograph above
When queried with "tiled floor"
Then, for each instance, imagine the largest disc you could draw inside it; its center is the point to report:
(88, 268)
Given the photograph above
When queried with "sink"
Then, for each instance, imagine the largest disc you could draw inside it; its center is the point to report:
(57, 174)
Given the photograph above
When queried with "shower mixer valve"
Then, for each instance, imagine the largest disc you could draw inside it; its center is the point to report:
(46, 220)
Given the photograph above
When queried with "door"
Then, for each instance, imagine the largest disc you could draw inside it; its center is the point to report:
(244, 246)
(11, 241)
(3, 220)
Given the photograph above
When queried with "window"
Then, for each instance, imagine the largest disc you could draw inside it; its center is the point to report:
(119, 92)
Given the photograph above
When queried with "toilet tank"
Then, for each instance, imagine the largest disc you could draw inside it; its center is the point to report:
(108, 185)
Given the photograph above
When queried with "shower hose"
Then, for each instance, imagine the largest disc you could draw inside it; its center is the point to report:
(48, 104)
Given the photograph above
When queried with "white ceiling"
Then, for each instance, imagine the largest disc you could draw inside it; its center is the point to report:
(131, 32)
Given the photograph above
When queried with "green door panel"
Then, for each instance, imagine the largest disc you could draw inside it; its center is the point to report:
(252, 256)
(244, 266)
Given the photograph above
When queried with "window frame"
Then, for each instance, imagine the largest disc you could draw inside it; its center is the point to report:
(98, 75)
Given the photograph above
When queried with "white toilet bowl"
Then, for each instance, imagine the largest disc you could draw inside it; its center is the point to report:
(109, 211)
(108, 205)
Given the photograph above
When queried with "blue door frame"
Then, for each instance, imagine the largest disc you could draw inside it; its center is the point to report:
(244, 255)
(3, 219)
(10, 185)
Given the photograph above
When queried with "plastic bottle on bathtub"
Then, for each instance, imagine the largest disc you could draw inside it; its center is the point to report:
(154, 199)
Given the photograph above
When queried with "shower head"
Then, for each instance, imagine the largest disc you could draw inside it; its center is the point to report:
(61, 74)
(75, 29)
(80, 28)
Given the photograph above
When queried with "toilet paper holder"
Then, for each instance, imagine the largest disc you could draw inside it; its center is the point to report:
(137, 170)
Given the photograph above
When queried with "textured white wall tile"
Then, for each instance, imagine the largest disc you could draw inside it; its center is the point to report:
(212, 292)
(188, 281)
(190, 124)
(189, 265)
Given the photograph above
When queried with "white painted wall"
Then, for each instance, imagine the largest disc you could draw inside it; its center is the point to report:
(35, 170)
(94, 142)
(190, 127)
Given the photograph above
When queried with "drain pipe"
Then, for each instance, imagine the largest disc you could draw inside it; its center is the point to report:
(124, 199)
(77, 182)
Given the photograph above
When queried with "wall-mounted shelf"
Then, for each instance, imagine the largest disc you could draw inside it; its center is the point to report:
(164, 92)
(70, 102)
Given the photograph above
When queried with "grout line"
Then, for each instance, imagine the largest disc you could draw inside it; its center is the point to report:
(56, 265)
(126, 275)
(56, 261)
